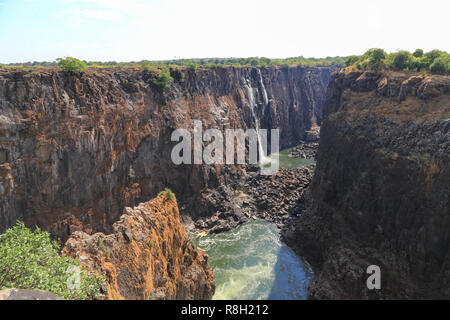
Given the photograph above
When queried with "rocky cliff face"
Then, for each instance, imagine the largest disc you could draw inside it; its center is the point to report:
(75, 150)
(148, 255)
(381, 190)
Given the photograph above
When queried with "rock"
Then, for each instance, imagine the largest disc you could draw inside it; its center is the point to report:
(379, 195)
(96, 143)
(24, 294)
(147, 256)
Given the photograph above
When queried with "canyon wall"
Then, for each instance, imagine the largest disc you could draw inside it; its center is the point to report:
(148, 256)
(76, 149)
(381, 190)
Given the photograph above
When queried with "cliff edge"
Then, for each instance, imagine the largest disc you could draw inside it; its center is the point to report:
(76, 149)
(381, 190)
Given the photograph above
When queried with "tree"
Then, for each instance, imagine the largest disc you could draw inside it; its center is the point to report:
(418, 53)
(433, 54)
(30, 260)
(351, 60)
(375, 57)
(439, 66)
(71, 65)
(401, 60)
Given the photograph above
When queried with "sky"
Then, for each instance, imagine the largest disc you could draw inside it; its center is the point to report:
(133, 30)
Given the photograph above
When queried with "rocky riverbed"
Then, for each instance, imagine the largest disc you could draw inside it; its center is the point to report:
(275, 198)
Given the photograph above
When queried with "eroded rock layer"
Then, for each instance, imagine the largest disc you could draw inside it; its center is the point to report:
(148, 255)
(75, 150)
(381, 190)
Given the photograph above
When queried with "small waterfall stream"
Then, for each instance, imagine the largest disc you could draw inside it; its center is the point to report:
(263, 159)
(266, 99)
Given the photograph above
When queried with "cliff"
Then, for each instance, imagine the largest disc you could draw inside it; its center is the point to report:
(75, 150)
(381, 190)
(148, 256)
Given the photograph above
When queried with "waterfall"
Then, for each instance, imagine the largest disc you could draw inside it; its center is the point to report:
(263, 159)
(266, 100)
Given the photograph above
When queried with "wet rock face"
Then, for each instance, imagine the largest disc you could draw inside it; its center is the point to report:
(75, 150)
(148, 255)
(380, 193)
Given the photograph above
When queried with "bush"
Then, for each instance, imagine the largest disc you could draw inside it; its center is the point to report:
(418, 53)
(162, 80)
(30, 260)
(167, 193)
(439, 66)
(351, 60)
(375, 57)
(71, 65)
(433, 54)
(400, 60)
(192, 65)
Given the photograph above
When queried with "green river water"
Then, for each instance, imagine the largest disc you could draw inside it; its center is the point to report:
(250, 262)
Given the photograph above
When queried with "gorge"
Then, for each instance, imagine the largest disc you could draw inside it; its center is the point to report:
(83, 156)
(78, 149)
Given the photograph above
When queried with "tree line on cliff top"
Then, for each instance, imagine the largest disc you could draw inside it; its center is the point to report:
(434, 61)
(195, 63)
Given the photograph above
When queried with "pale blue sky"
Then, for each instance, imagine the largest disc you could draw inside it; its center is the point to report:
(125, 30)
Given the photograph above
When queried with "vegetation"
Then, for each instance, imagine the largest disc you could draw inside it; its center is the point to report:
(162, 80)
(102, 247)
(167, 193)
(192, 64)
(71, 65)
(30, 260)
(435, 61)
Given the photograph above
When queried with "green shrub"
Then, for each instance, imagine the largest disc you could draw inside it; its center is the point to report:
(418, 53)
(71, 65)
(30, 260)
(351, 60)
(168, 193)
(400, 60)
(433, 54)
(192, 65)
(375, 56)
(102, 247)
(162, 80)
(439, 66)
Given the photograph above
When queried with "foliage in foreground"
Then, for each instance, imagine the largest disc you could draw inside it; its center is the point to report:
(435, 61)
(30, 260)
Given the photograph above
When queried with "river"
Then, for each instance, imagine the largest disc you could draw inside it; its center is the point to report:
(251, 262)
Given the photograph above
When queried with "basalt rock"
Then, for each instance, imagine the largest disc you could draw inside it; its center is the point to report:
(25, 294)
(148, 256)
(276, 198)
(76, 149)
(380, 194)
